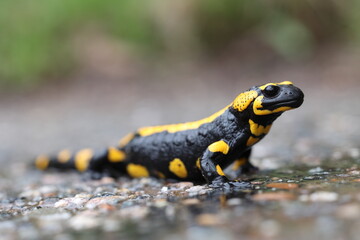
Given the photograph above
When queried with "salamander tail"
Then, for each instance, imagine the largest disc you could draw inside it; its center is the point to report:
(65, 160)
(109, 162)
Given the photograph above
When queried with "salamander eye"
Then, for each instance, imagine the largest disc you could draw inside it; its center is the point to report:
(271, 91)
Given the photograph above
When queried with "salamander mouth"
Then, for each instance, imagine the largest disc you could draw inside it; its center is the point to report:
(295, 103)
(292, 103)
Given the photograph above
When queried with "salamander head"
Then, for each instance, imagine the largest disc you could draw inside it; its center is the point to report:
(269, 99)
(277, 97)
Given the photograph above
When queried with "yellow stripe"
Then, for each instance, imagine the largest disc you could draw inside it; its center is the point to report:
(275, 84)
(219, 146)
(286, 83)
(258, 104)
(137, 170)
(64, 156)
(177, 167)
(257, 129)
(42, 162)
(116, 155)
(265, 85)
(125, 140)
(219, 170)
(146, 131)
(82, 159)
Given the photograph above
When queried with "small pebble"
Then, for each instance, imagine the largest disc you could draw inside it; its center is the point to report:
(234, 201)
(191, 201)
(71, 203)
(160, 203)
(283, 185)
(337, 155)
(256, 183)
(48, 189)
(19, 203)
(354, 153)
(164, 189)
(274, 196)
(354, 172)
(107, 200)
(82, 222)
(316, 170)
(181, 185)
(106, 207)
(207, 219)
(134, 212)
(196, 190)
(107, 180)
(348, 211)
(54, 216)
(310, 178)
(275, 179)
(321, 196)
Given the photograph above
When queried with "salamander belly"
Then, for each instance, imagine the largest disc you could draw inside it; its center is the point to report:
(171, 155)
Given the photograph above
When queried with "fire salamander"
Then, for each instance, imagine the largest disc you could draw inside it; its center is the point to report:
(193, 151)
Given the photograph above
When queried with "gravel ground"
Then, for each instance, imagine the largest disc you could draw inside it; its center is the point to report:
(307, 187)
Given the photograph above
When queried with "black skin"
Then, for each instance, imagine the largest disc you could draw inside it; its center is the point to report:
(155, 151)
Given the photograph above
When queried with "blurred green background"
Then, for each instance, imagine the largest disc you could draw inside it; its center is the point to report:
(39, 39)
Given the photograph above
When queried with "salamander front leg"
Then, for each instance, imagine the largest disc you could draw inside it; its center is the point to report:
(210, 166)
(211, 171)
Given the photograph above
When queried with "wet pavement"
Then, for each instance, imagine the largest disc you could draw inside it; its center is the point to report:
(308, 186)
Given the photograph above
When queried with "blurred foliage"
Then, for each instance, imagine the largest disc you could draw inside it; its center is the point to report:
(36, 36)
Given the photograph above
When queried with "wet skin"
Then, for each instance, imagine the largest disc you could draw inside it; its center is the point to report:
(194, 151)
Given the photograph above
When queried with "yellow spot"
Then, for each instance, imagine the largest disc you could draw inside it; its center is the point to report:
(137, 170)
(242, 101)
(115, 155)
(42, 162)
(198, 163)
(178, 168)
(145, 131)
(64, 156)
(82, 159)
(238, 163)
(219, 146)
(251, 141)
(257, 129)
(125, 140)
(219, 170)
(258, 105)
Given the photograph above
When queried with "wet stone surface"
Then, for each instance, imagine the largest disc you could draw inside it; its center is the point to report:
(308, 187)
(321, 201)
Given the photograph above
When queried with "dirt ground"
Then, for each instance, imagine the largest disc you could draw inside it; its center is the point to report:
(104, 101)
